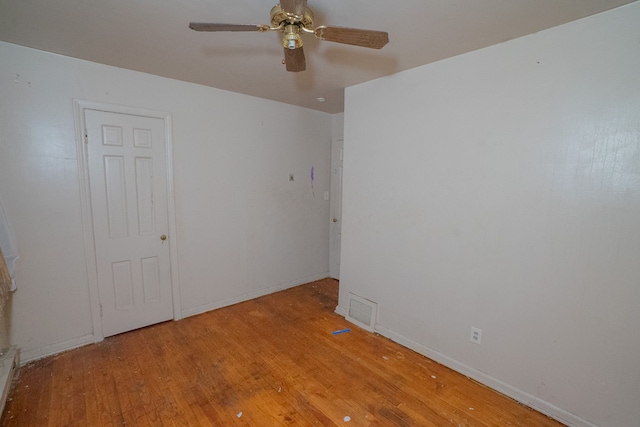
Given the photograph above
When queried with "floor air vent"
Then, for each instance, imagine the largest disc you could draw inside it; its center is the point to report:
(362, 312)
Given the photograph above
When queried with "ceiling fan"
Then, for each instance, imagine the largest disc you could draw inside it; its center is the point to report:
(293, 18)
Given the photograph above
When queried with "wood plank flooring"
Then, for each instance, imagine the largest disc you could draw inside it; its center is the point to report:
(271, 361)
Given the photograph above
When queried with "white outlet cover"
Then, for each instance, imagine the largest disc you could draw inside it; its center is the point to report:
(476, 335)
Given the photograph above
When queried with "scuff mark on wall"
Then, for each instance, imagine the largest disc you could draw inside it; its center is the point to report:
(312, 178)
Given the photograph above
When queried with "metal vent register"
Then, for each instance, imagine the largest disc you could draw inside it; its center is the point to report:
(362, 312)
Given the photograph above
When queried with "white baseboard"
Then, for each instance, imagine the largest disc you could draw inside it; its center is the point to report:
(341, 311)
(251, 295)
(486, 379)
(48, 350)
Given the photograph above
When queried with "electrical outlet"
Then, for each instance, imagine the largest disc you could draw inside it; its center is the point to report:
(476, 335)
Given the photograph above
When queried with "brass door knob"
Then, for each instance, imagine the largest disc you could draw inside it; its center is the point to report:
(163, 237)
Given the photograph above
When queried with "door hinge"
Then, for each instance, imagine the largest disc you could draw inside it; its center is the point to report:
(101, 312)
(86, 137)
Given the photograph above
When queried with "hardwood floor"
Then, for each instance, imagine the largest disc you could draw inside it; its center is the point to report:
(271, 361)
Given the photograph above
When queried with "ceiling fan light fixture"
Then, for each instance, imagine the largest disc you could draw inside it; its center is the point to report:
(291, 37)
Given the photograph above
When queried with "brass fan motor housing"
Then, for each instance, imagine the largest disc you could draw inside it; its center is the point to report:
(279, 16)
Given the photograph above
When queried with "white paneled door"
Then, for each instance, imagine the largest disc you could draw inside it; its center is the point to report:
(336, 208)
(128, 186)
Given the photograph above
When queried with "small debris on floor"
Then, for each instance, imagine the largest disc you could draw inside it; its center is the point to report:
(347, 418)
(385, 357)
(239, 414)
(340, 331)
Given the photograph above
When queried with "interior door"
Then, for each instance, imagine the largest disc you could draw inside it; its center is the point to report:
(335, 208)
(128, 186)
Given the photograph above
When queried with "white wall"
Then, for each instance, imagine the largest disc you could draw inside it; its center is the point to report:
(501, 189)
(243, 228)
(338, 125)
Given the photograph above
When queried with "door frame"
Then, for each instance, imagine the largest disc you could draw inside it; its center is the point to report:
(79, 107)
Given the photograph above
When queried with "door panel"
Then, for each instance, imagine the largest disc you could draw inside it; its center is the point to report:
(127, 180)
(144, 194)
(115, 194)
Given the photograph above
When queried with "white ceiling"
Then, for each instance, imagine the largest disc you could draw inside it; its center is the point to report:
(153, 36)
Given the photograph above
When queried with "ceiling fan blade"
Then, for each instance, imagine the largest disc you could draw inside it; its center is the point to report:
(294, 7)
(208, 26)
(294, 59)
(365, 38)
